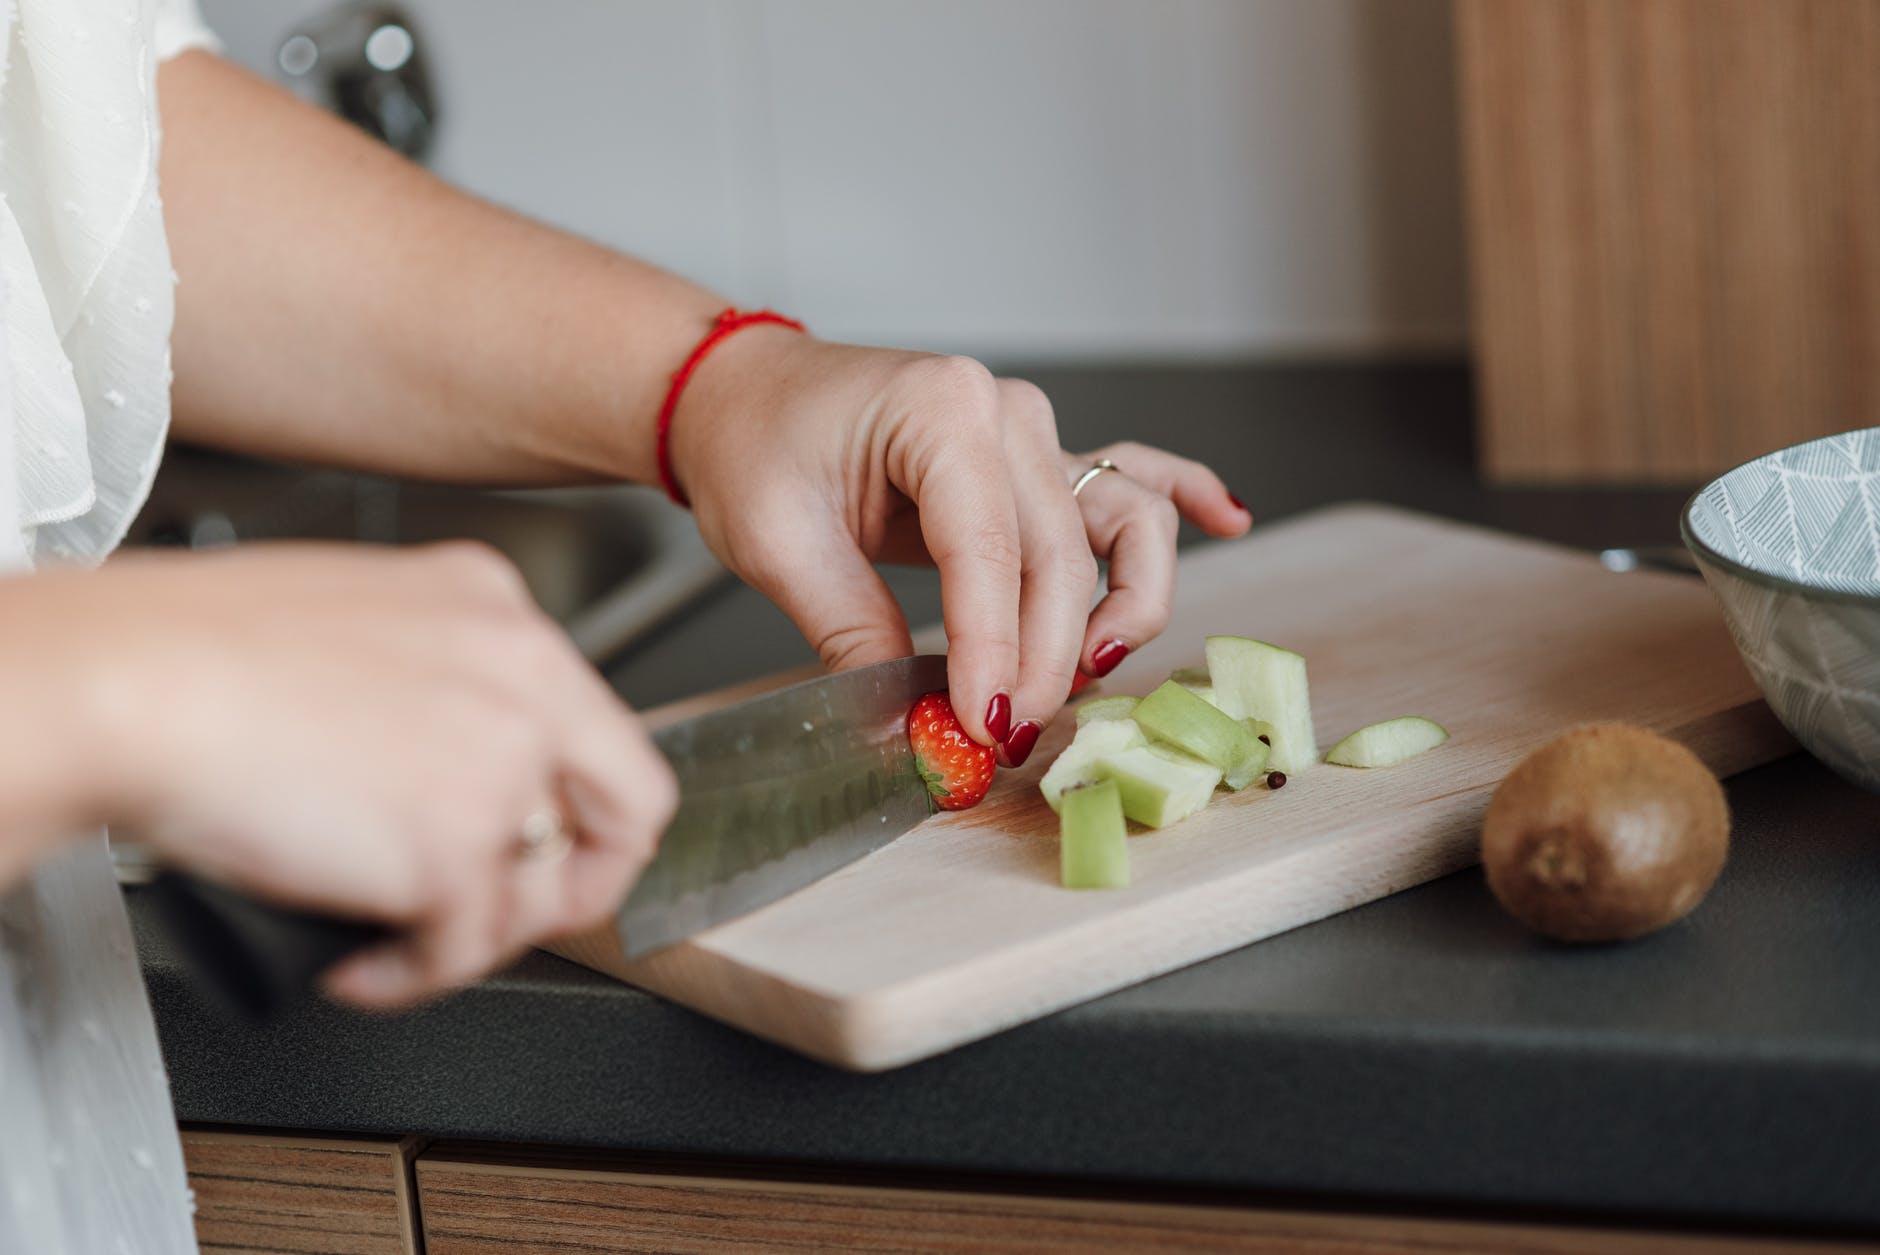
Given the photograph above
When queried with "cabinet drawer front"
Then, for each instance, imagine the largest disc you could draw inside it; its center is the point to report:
(324, 1196)
(481, 1204)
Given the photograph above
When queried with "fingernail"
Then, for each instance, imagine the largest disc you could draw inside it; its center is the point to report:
(1081, 681)
(1240, 505)
(1018, 745)
(999, 715)
(1105, 657)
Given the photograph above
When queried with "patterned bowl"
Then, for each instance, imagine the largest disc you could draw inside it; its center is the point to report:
(1790, 546)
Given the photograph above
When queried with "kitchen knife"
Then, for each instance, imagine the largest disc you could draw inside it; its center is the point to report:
(777, 792)
(774, 794)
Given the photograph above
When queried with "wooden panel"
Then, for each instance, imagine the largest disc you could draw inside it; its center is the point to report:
(478, 1208)
(960, 929)
(1674, 229)
(326, 1196)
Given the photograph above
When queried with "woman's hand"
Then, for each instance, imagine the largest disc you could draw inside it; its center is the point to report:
(495, 350)
(807, 461)
(358, 732)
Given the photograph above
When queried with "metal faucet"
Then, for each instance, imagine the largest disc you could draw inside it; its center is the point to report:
(363, 60)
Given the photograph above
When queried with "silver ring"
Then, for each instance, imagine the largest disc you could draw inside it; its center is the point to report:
(544, 837)
(1096, 468)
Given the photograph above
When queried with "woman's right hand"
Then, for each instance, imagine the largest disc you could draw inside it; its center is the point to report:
(364, 732)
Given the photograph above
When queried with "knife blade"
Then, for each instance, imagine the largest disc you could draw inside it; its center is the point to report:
(775, 793)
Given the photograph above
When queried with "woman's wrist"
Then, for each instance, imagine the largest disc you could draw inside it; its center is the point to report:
(729, 322)
(64, 765)
(732, 380)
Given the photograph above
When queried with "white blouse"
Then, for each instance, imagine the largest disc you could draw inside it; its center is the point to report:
(89, 1159)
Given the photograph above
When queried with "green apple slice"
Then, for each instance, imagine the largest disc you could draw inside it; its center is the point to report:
(1099, 709)
(1388, 743)
(1196, 681)
(1076, 766)
(1093, 850)
(1255, 680)
(1174, 715)
(1159, 786)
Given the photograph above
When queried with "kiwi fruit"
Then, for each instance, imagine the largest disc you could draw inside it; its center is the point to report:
(1605, 833)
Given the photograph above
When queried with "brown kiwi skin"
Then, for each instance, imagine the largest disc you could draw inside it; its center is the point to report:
(1605, 833)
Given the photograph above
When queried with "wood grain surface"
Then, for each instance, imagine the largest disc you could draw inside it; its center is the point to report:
(260, 1193)
(477, 1207)
(960, 928)
(1673, 227)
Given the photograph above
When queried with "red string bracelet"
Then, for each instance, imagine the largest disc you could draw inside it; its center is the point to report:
(729, 322)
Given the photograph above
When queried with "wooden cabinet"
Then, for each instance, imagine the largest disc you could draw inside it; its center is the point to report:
(264, 1193)
(257, 1192)
(1673, 227)
(475, 1205)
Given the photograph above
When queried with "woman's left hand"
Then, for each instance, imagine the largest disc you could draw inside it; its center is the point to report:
(806, 462)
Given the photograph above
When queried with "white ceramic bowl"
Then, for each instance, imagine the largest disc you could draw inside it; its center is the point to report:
(1790, 545)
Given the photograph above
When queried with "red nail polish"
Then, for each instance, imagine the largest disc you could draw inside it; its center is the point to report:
(999, 716)
(1018, 745)
(1105, 657)
(1239, 504)
(1081, 681)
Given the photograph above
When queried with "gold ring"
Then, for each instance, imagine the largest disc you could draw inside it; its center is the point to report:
(544, 837)
(1096, 468)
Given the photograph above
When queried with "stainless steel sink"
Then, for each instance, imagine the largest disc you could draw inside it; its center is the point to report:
(609, 563)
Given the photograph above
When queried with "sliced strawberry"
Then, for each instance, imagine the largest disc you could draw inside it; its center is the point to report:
(957, 769)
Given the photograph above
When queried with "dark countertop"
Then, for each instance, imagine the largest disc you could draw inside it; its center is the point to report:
(1421, 1050)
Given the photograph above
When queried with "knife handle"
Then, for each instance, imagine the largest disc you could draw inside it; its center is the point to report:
(255, 958)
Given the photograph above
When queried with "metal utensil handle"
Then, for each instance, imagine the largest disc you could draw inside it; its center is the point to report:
(254, 957)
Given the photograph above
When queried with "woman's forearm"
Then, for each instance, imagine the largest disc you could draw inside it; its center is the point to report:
(57, 760)
(339, 305)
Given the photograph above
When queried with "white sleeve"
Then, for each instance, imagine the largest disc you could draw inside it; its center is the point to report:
(180, 27)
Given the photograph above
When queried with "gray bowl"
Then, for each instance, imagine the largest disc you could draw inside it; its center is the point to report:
(1790, 546)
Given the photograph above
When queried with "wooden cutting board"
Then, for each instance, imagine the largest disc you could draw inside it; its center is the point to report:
(959, 929)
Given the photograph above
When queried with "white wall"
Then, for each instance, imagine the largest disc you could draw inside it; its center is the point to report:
(1061, 178)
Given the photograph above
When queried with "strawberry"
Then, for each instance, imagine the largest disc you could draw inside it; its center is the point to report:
(957, 769)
